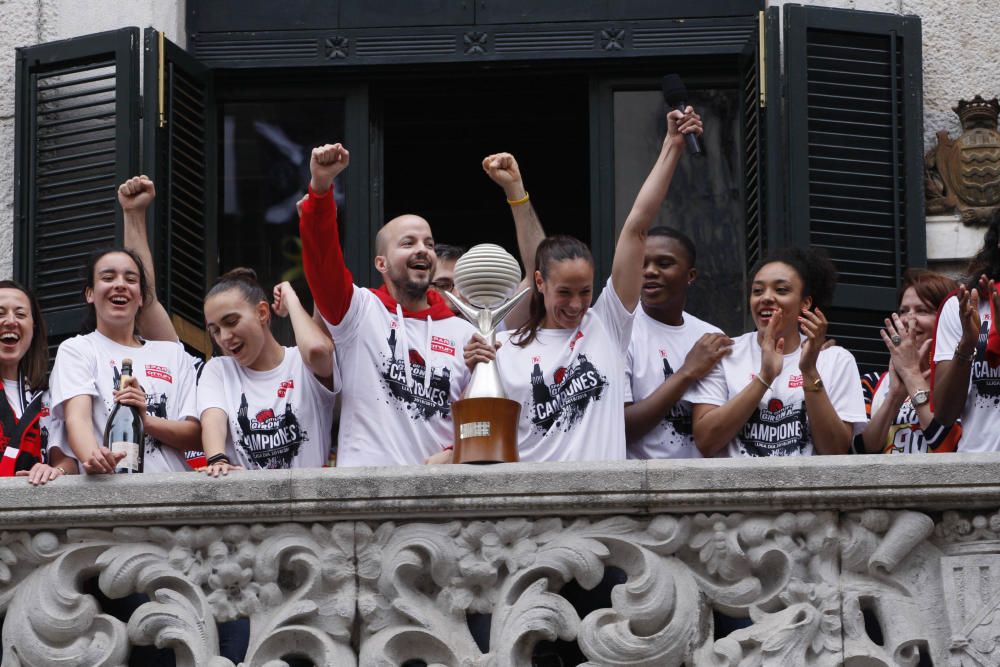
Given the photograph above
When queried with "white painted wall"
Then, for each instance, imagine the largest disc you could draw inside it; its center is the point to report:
(26, 22)
(961, 55)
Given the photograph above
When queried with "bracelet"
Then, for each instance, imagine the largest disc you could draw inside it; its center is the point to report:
(218, 458)
(761, 380)
(60, 469)
(522, 200)
(964, 357)
(448, 448)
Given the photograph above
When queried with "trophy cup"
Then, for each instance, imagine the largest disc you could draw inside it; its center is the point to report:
(485, 419)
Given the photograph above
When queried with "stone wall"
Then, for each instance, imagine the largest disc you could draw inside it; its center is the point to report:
(870, 560)
(27, 22)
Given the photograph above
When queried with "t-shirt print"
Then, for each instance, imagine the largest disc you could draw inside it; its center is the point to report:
(420, 398)
(271, 441)
(679, 418)
(564, 401)
(775, 430)
(985, 379)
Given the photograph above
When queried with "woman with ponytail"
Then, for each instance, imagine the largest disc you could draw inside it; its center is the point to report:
(779, 393)
(965, 378)
(565, 364)
(87, 371)
(262, 405)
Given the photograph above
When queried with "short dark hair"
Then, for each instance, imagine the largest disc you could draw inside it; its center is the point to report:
(679, 236)
(448, 251)
(34, 366)
(813, 265)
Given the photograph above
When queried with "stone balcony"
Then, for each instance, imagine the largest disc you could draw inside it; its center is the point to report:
(380, 567)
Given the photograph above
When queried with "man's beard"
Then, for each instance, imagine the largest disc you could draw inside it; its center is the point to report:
(403, 284)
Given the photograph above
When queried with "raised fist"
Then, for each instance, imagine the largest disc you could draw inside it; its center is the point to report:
(283, 294)
(136, 194)
(326, 162)
(503, 170)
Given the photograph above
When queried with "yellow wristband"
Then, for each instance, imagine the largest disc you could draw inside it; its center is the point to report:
(518, 202)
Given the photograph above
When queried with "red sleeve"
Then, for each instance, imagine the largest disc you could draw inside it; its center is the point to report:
(326, 272)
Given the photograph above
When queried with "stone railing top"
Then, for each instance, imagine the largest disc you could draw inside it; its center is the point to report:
(438, 492)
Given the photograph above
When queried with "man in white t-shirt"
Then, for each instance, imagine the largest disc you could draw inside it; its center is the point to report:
(669, 351)
(399, 347)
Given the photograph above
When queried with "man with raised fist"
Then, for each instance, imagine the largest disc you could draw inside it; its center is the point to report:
(399, 346)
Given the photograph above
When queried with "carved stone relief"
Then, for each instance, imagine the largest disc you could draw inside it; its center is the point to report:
(963, 175)
(872, 587)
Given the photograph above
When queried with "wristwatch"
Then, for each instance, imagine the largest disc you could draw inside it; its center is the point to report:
(815, 385)
(919, 398)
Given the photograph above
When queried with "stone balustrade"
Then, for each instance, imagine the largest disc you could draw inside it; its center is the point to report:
(861, 560)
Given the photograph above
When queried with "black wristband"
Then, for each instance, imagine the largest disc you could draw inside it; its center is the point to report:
(217, 458)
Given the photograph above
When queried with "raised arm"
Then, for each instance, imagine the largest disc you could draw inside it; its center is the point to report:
(830, 433)
(626, 276)
(135, 196)
(951, 378)
(315, 347)
(322, 257)
(503, 170)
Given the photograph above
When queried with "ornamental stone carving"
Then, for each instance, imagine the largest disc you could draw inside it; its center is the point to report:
(963, 175)
(449, 579)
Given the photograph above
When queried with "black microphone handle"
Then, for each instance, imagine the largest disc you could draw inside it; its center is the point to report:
(691, 141)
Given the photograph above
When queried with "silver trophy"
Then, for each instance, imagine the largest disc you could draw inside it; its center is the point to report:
(485, 419)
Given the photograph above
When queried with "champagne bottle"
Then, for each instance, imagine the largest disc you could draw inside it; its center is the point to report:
(123, 432)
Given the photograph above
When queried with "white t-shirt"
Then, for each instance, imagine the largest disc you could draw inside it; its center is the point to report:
(780, 426)
(654, 353)
(571, 386)
(981, 416)
(281, 418)
(91, 365)
(402, 375)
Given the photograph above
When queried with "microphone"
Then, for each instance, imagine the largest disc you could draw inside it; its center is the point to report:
(675, 94)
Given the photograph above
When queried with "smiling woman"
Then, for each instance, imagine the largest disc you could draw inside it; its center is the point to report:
(87, 380)
(779, 393)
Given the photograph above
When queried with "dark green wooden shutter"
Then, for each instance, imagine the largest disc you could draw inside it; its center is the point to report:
(180, 157)
(854, 105)
(76, 139)
(763, 140)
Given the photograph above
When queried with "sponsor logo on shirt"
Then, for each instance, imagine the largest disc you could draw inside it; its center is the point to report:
(443, 345)
(284, 387)
(564, 402)
(795, 381)
(159, 373)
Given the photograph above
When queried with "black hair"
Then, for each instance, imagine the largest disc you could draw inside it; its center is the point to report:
(813, 265)
(553, 249)
(89, 322)
(243, 279)
(987, 260)
(448, 251)
(679, 236)
(34, 365)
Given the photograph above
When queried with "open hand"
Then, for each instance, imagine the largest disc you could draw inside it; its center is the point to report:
(40, 473)
(813, 325)
(705, 354)
(772, 349)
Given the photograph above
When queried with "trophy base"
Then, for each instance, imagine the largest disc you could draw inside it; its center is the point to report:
(485, 430)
